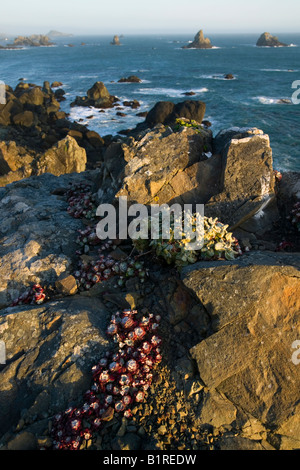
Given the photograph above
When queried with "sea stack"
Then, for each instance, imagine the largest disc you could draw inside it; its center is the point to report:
(116, 41)
(200, 42)
(267, 40)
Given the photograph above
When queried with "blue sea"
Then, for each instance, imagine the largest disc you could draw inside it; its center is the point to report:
(262, 78)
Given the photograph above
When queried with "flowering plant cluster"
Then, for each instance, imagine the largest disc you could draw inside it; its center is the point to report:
(218, 243)
(120, 380)
(34, 295)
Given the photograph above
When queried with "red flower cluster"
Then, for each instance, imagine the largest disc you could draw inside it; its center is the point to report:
(120, 379)
(35, 295)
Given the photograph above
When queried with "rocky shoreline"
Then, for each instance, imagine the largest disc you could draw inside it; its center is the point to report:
(226, 379)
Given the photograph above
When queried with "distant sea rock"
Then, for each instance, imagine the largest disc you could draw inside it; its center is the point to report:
(58, 34)
(116, 41)
(229, 76)
(267, 40)
(35, 40)
(130, 79)
(200, 42)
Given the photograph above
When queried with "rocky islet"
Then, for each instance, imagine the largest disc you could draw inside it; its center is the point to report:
(199, 42)
(267, 40)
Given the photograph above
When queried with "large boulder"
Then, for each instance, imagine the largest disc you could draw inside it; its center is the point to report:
(17, 163)
(50, 350)
(32, 96)
(64, 157)
(166, 112)
(163, 166)
(254, 307)
(247, 178)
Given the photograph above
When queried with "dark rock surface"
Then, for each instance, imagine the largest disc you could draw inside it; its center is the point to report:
(166, 112)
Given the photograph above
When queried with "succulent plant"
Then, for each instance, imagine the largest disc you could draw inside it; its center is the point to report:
(104, 267)
(183, 122)
(119, 380)
(81, 202)
(218, 243)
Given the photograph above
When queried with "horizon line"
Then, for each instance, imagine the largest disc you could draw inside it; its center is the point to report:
(67, 34)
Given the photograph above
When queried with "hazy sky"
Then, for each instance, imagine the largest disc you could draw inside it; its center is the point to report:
(146, 16)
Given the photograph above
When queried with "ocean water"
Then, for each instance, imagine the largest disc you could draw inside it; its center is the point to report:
(263, 77)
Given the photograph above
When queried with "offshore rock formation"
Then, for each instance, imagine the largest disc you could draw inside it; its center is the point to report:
(116, 41)
(97, 96)
(58, 34)
(267, 40)
(130, 79)
(34, 40)
(200, 42)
